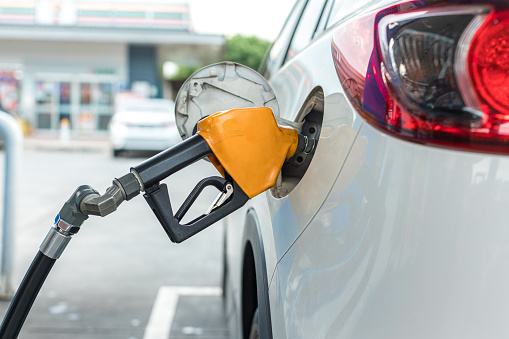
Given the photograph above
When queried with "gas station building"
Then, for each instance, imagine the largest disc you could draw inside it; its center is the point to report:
(69, 59)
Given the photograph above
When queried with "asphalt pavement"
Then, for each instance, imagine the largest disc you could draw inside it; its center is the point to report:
(120, 276)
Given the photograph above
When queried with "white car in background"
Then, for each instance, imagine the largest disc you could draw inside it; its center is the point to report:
(398, 225)
(143, 125)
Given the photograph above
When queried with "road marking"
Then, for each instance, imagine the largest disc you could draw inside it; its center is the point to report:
(161, 318)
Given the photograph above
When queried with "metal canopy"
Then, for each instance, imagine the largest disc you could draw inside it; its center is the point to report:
(107, 34)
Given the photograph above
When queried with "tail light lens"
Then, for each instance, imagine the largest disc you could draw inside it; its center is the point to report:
(436, 76)
(489, 64)
(419, 57)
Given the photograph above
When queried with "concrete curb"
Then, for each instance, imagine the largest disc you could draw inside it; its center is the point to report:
(72, 145)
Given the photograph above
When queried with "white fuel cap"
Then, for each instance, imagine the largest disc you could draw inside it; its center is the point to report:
(220, 87)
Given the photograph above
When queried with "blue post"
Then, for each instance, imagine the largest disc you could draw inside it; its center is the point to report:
(13, 146)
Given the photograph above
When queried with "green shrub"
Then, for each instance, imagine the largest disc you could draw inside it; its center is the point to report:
(248, 51)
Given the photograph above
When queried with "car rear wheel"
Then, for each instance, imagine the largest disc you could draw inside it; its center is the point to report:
(116, 153)
(255, 327)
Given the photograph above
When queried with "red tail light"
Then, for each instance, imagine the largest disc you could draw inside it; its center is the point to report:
(435, 76)
(489, 64)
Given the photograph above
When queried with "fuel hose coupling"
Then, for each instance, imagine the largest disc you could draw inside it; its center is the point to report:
(83, 202)
(67, 223)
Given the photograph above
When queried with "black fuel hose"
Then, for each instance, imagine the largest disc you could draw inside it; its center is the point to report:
(25, 296)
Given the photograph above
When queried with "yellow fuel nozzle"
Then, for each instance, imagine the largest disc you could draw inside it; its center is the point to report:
(249, 145)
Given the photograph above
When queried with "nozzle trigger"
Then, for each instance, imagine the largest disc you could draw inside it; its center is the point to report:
(230, 199)
(217, 182)
(221, 198)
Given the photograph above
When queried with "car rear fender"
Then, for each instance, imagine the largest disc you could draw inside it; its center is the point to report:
(254, 264)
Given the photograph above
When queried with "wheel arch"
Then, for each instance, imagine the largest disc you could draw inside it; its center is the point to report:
(256, 289)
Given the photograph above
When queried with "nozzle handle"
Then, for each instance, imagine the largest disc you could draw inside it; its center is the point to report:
(164, 164)
(159, 200)
(217, 182)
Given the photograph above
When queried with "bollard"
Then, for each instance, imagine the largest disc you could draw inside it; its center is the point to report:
(13, 139)
(65, 131)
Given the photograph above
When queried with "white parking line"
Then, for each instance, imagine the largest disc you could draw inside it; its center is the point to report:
(163, 311)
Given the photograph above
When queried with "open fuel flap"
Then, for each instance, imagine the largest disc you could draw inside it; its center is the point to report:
(220, 87)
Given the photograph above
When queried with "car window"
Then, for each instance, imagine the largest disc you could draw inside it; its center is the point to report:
(324, 18)
(306, 27)
(280, 46)
(342, 8)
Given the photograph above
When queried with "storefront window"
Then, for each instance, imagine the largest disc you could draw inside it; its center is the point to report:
(85, 103)
(86, 117)
(105, 94)
(105, 108)
(9, 91)
(44, 93)
(65, 103)
(85, 93)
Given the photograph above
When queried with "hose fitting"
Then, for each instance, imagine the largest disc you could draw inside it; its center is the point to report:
(124, 188)
(83, 202)
(67, 223)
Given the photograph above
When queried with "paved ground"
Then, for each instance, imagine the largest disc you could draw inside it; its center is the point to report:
(120, 277)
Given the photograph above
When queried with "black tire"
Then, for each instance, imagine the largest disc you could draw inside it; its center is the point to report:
(255, 327)
(116, 153)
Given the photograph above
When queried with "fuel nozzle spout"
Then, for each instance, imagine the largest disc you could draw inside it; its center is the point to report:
(305, 145)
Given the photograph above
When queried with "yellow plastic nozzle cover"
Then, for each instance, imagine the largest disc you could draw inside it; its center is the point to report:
(250, 145)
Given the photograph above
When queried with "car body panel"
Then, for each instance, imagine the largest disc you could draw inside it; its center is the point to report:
(277, 302)
(381, 237)
(410, 241)
(291, 214)
(292, 85)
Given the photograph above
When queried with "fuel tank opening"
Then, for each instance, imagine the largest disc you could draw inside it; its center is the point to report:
(311, 117)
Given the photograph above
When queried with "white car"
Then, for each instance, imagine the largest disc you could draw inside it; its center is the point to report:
(398, 226)
(143, 124)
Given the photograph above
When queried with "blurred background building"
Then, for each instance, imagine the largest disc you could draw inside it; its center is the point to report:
(64, 59)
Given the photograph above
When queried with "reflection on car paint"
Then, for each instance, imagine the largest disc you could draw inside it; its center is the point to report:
(312, 190)
(351, 252)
